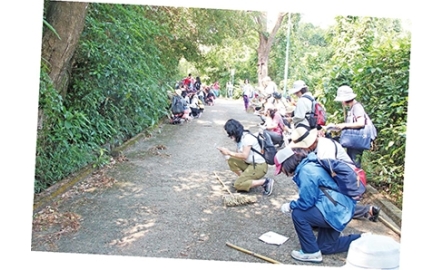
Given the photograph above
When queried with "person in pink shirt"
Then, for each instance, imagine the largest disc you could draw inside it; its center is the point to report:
(216, 88)
(274, 125)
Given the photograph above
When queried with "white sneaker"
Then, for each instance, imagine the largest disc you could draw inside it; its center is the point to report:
(307, 257)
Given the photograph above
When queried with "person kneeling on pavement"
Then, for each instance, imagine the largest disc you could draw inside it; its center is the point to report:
(325, 148)
(248, 165)
(320, 204)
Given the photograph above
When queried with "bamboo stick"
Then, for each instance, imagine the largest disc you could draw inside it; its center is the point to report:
(253, 254)
(390, 226)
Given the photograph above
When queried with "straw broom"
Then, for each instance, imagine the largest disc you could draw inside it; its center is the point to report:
(235, 199)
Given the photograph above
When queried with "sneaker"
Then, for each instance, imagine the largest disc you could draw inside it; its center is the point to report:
(268, 186)
(375, 213)
(307, 257)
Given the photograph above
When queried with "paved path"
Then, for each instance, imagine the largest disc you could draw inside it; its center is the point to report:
(162, 200)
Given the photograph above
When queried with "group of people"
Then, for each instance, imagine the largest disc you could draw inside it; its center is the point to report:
(206, 93)
(190, 98)
(320, 205)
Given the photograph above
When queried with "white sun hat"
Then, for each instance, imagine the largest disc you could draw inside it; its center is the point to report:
(373, 252)
(297, 86)
(345, 93)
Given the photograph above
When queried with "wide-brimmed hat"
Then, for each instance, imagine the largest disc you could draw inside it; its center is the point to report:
(303, 137)
(345, 93)
(281, 156)
(178, 92)
(297, 86)
(373, 252)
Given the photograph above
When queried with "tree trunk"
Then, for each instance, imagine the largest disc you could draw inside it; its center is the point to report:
(68, 20)
(266, 41)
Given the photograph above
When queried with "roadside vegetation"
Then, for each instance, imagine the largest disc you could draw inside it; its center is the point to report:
(124, 59)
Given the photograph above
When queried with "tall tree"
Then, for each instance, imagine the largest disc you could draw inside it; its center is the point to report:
(266, 40)
(59, 44)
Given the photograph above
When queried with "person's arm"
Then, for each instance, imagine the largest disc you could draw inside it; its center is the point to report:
(299, 112)
(308, 191)
(242, 155)
(359, 114)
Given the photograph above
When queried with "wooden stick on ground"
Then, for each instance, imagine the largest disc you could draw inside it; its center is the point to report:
(390, 226)
(252, 253)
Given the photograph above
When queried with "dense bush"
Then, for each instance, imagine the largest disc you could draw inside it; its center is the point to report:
(118, 88)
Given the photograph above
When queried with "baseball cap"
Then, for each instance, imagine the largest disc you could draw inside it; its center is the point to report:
(281, 156)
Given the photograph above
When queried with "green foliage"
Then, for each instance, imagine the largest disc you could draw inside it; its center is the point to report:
(378, 71)
(60, 142)
(117, 89)
(129, 56)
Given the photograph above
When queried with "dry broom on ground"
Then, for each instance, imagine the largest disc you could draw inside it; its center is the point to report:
(235, 199)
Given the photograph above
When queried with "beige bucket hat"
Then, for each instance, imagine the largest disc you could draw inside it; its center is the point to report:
(345, 93)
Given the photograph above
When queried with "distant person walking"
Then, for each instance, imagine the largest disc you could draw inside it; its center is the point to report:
(247, 93)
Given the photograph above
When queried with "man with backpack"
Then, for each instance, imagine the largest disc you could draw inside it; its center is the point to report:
(307, 111)
(326, 148)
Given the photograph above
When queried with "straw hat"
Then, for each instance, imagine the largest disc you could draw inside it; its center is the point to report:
(178, 92)
(373, 252)
(302, 137)
(345, 93)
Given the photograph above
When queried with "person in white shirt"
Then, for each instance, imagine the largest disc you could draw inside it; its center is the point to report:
(269, 87)
(303, 105)
(248, 165)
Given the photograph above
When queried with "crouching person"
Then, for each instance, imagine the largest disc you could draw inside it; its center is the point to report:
(249, 166)
(319, 205)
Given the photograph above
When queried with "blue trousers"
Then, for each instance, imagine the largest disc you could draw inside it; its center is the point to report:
(355, 155)
(276, 138)
(329, 241)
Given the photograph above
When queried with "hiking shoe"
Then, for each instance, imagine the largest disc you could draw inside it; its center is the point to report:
(268, 186)
(375, 213)
(307, 257)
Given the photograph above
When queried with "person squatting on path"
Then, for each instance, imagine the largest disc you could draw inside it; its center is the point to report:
(313, 208)
(326, 148)
(274, 125)
(249, 166)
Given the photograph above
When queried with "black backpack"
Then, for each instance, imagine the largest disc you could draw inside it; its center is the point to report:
(268, 151)
(177, 105)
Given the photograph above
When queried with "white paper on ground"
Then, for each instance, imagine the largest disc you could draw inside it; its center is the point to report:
(273, 238)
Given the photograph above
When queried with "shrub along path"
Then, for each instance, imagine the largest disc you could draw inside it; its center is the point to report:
(160, 198)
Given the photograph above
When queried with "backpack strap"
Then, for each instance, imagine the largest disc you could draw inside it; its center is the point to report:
(312, 102)
(252, 147)
(336, 147)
